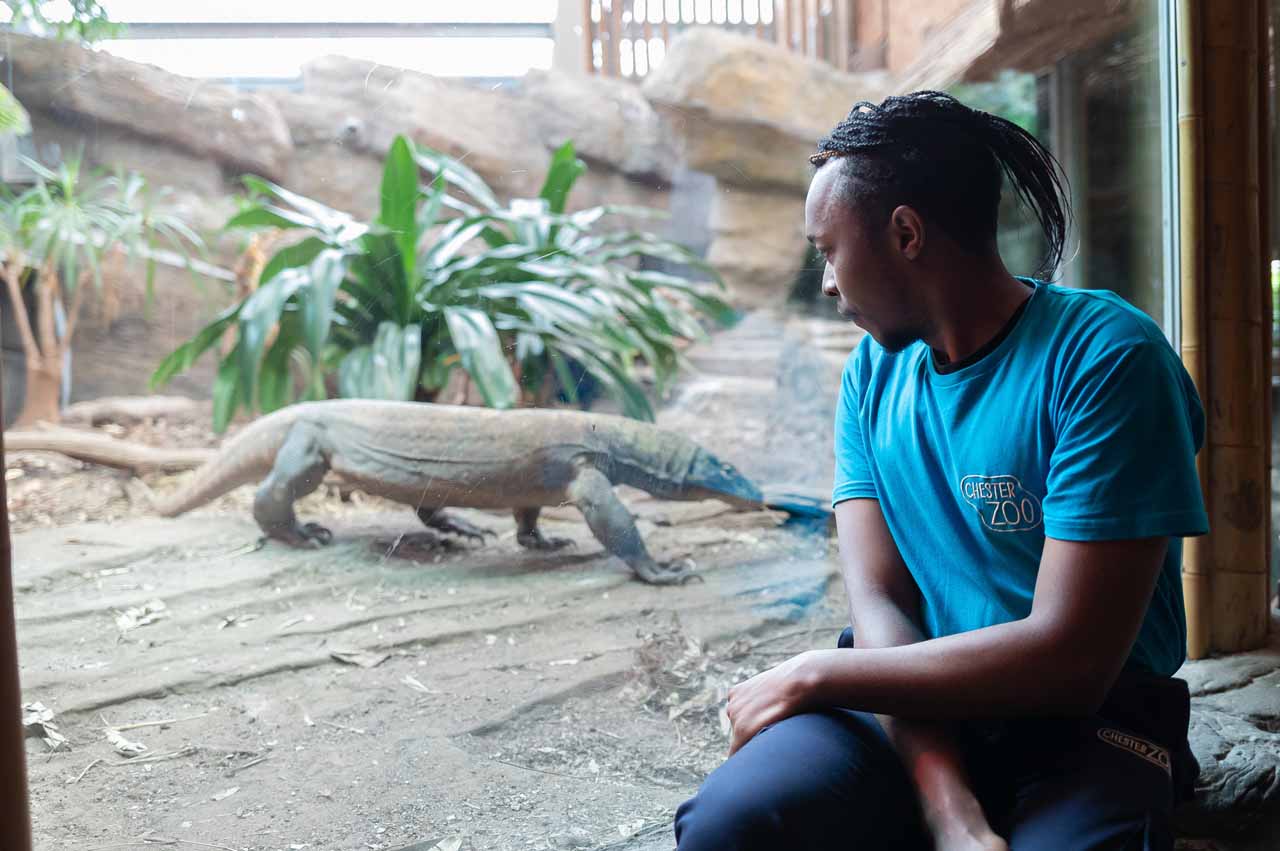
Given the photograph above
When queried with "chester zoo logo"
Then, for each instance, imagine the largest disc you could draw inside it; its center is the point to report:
(1003, 503)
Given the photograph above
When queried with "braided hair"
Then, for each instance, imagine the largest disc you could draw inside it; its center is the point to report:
(929, 151)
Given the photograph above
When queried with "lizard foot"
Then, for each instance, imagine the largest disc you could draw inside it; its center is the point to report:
(535, 540)
(462, 528)
(310, 536)
(666, 573)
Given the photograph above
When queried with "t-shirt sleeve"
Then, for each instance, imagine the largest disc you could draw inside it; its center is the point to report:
(853, 468)
(1128, 427)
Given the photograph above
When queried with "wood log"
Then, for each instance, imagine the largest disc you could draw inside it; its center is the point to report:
(106, 451)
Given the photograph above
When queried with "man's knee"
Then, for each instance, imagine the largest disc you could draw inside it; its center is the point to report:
(802, 783)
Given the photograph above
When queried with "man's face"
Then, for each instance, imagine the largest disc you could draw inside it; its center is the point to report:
(866, 273)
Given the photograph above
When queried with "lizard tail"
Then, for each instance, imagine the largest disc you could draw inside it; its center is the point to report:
(245, 458)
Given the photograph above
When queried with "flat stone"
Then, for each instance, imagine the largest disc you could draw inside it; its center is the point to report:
(1207, 676)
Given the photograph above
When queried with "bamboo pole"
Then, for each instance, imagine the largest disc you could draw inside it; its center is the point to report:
(1237, 344)
(15, 822)
(1196, 587)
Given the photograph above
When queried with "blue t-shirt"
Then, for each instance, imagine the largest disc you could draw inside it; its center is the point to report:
(1081, 425)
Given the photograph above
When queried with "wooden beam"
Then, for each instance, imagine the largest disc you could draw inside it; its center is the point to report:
(15, 820)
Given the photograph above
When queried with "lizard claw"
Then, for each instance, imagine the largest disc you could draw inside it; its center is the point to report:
(537, 541)
(668, 573)
(309, 536)
(442, 522)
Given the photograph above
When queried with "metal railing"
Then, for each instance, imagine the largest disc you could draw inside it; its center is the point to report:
(629, 38)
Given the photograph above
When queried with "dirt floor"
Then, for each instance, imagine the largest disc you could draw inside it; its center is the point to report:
(397, 690)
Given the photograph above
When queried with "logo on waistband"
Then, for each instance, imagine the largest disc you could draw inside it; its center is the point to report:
(1002, 502)
(1149, 751)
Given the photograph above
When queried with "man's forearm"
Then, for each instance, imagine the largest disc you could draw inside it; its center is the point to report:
(928, 751)
(1017, 668)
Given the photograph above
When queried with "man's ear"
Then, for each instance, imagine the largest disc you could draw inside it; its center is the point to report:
(908, 231)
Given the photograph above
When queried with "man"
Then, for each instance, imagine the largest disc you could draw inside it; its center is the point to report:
(1015, 471)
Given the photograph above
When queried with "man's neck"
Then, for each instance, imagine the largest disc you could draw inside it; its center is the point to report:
(971, 309)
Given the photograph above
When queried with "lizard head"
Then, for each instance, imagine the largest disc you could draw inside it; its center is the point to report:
(711, 478)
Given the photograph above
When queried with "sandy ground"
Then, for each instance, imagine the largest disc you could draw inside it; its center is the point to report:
(401, 691)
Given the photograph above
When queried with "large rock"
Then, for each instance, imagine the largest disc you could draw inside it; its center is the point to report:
(239, 130)
(369, 104)
(757, 243)
(349, 112)
(609, 121)
(1235, 734)
(748, 111)
(339, 176)
(191, 187)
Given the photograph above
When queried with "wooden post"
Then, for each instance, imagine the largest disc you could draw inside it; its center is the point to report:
(15, 820)
(844, 18)
(648, 36)
(615, 37)
(588, 38)
(1265, 195)
(1236, 342)
(805, 21)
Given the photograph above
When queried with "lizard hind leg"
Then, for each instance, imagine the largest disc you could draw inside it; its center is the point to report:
(443, 521)
(615, 528)
(299, 468)
(529, 536)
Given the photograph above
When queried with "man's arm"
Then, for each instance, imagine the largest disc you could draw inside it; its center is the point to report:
(884, 609)
(1090, 599)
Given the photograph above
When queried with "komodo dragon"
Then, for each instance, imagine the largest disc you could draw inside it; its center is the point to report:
(431, 456)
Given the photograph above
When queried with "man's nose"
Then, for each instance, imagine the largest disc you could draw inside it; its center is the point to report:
(829, 282)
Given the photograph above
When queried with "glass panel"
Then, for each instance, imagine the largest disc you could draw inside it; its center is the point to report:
(260, 205)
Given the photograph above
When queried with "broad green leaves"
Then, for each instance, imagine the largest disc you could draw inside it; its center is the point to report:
(448, 278)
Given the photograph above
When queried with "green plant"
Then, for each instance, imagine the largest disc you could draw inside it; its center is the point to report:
(448, 278)
(82, 20)
(13, 118)
(54, 238)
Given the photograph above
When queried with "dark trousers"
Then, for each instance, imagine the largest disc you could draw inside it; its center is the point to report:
(831, 780)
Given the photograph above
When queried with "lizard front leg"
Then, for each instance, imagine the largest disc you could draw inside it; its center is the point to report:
(614, 527)
(299, 468)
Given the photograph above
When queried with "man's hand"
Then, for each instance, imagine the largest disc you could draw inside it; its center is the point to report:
(769, 697)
